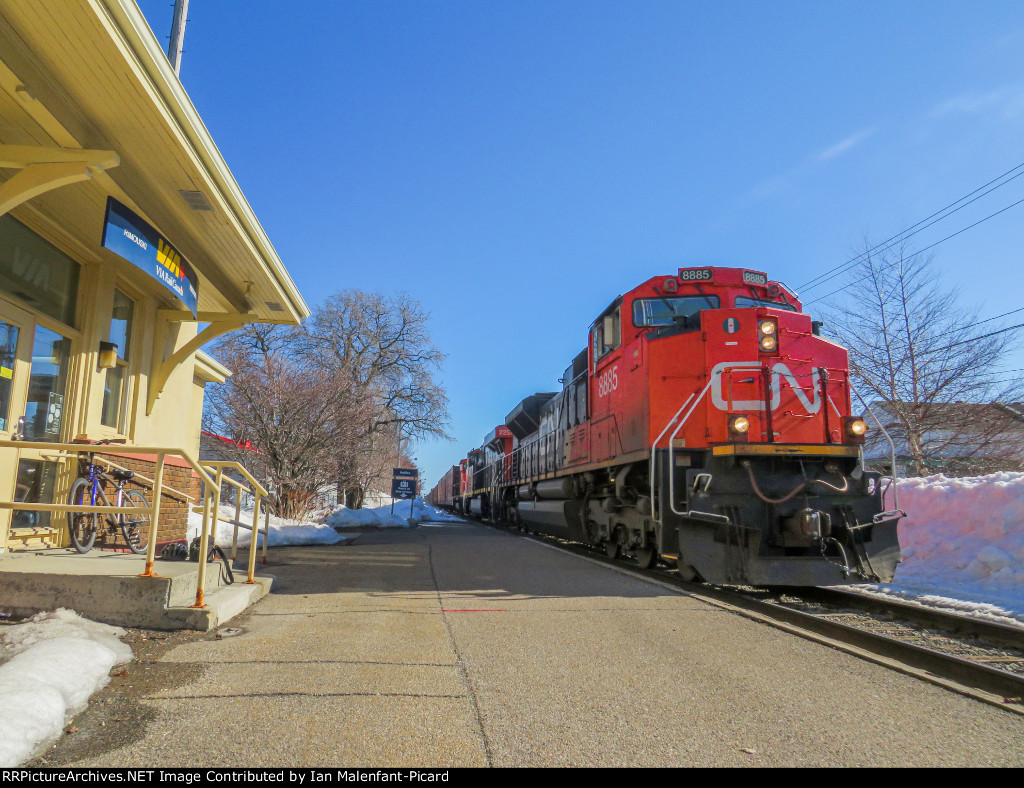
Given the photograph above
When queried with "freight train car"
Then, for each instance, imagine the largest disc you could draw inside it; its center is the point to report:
(447, 489)
(707, 423)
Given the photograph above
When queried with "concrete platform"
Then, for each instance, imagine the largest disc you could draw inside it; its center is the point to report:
(462, 645)
(106, 587)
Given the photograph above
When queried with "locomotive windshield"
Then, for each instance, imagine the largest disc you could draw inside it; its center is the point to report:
(663, 311)
(745, 301)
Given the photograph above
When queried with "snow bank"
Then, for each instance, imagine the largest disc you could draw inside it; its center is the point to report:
(381, 516)
(962, 544)
(290, 532)
(52, 664)
(282, 532)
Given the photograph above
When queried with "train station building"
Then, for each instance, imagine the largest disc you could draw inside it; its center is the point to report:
(125, 246)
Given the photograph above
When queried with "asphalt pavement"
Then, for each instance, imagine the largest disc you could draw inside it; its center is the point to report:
(463, 645)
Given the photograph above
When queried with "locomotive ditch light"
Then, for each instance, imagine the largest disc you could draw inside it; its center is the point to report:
(855, 428)
(739, 427)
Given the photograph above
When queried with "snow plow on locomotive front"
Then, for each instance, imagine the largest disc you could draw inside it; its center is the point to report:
(708, 424)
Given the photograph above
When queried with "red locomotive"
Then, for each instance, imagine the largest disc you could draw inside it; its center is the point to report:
(707, 423)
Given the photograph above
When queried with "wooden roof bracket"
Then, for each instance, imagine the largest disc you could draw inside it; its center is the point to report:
(44, 169)
(220, 323)
(163, 367)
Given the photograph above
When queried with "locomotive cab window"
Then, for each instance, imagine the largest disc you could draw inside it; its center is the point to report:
(606, 334)
(746, 301)
(665, 311)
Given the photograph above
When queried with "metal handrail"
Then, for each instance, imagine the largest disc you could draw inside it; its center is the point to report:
(892, 450)
(259, 493)
(671, 452)
(654, 447)
(161, 453)
(168, 490)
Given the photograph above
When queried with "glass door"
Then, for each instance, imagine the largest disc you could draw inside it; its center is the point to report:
(10, 334)
(43, 420)
(47, 386)
(15, 360)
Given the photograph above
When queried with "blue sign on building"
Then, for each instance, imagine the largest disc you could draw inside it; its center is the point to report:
(125, 233)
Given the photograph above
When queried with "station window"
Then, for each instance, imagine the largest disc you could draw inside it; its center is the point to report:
(37, 272)
(115, 386)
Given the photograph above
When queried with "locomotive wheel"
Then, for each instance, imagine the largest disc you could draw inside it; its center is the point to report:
(646, 556)
(612, 548)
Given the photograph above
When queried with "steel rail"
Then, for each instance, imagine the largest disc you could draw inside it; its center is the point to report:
(992, 632)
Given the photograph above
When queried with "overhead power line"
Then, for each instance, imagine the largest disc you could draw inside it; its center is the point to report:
(1005, 314)
(921, 251)
(972, 339)
(913, 229)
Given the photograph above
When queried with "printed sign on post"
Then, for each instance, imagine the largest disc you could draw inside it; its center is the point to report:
(403, 488)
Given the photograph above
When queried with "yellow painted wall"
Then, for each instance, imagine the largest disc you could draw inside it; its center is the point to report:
(176, 417)
(172, 421)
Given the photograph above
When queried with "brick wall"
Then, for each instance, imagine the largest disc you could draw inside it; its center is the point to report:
(173, 508)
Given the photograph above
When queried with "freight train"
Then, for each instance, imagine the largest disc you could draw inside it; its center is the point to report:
(706, 424)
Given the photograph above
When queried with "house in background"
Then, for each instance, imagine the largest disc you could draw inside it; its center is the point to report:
(959, 439)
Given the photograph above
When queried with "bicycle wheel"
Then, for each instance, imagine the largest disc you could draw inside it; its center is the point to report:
(135, 527)
(82, 525)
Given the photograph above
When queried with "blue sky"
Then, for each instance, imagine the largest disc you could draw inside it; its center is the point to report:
(516, 165)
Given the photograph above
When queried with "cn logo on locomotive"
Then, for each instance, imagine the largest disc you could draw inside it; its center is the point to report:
(780, 372)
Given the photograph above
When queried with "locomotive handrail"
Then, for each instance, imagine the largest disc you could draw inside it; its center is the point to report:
(892, 450)
(654, 447)
(671, 457)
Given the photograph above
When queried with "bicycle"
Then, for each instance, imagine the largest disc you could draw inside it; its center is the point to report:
(88, 490)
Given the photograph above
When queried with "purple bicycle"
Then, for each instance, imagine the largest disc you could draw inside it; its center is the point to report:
(88, 490)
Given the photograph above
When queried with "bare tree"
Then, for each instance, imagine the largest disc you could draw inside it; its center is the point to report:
(916, 349)
(331, 402)
(381, 344)
(295, 418)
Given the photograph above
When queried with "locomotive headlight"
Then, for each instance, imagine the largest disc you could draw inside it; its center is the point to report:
(768, 343)
(739, 425)
(766, 327)
(856, 429)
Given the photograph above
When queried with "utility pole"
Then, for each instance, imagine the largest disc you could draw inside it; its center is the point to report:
(174, 49)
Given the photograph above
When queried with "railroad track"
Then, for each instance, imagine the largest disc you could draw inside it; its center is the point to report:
(980, 659)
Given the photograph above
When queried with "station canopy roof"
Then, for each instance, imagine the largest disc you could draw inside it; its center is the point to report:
(90, 75)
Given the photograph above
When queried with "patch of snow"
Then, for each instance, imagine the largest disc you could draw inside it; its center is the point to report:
(382, 516)
(962, 545)
(52, 663)
(282, 532)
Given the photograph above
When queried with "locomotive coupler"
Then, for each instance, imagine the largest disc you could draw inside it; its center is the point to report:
(806, 528)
